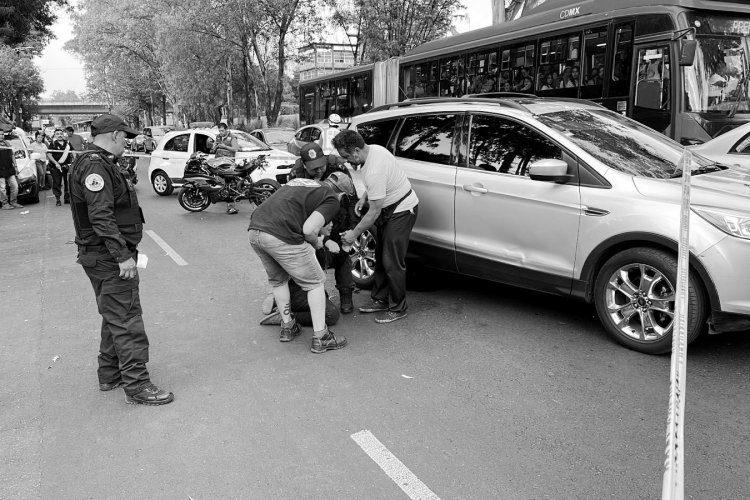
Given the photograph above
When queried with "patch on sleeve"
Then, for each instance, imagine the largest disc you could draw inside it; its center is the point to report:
(94, 182)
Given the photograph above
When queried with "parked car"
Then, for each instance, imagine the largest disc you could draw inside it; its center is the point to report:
(157, 133)
(28, 186)
(568, 198)
(274, 137)
(731, 148)
(167, 162)
(322, 133)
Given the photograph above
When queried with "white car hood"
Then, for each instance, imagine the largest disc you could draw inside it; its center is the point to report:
(724, 189)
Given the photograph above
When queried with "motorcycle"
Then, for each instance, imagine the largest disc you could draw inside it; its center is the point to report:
(212, 181)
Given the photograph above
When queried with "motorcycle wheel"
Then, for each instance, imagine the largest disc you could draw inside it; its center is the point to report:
(193, 199)
(263, 189)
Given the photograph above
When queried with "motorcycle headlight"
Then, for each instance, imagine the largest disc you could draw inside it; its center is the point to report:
(733, 223)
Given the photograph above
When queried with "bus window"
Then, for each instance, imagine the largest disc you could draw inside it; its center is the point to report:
(407, 82)
(449, 77)
(619, 84)
(595, 55)
(560, 75)
(481, 72)
(361, 94)
(342, 104)
(522, 60)
(425, 80)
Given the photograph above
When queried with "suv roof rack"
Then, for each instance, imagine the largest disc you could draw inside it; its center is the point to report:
(435, 100)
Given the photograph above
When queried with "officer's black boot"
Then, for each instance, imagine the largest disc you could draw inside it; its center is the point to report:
(345, 299)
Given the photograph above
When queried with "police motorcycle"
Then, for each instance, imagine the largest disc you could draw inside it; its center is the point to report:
(220, 179)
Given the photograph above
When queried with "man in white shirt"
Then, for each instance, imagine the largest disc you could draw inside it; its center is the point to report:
(393, 210)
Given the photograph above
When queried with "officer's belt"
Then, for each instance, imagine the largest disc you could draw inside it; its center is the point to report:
(126, 216)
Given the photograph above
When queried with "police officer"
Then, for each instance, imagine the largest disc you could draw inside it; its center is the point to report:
(313, 164)
(109, 226)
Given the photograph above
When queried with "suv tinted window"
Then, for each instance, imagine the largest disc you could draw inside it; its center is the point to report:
(427, 138)
(377, 132)
(178, 143)
(501, 145)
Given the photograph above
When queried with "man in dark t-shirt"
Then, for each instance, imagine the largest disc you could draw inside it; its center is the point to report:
(285, 232)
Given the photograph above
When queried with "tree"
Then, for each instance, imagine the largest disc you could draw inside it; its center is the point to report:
(389, 28)
(27, 21)
(21, 85)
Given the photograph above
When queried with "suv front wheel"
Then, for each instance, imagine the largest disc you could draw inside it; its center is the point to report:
(634, 295)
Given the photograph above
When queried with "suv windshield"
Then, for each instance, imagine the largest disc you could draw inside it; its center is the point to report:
(620, 143)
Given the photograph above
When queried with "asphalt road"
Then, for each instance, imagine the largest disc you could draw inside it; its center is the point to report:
(483, 392)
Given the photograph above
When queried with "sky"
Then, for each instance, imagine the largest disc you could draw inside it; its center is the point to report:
(62, 70)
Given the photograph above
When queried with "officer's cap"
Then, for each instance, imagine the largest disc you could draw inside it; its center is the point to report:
(110, 123)
(312, 156)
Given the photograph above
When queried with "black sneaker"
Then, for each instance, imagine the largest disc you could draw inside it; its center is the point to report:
(389, 316)
(112, 386)
(374, 306)
(150, 395)
(328, 342)
(57, 203)
(288, 334)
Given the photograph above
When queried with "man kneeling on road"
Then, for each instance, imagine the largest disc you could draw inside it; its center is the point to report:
(285, 232)
(313, 164)
(298, 304)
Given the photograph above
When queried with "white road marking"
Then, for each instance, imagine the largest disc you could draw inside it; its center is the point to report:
(170, 251)
(393, 467)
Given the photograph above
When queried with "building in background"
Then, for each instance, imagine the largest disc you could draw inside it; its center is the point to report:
(318, 59)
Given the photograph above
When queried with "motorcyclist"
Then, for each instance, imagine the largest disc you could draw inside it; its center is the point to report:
(225, 146)
(313, 164)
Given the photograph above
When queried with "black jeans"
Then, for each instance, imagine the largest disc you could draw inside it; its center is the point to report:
(58, 178)
(123, 351)
(390, 259)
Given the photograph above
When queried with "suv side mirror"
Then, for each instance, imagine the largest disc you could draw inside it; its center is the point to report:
(550, 170)
(687, 52)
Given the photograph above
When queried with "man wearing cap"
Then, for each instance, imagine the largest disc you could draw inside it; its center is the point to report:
(313, 164)
(225, 145)
(285, 232)
(109, 225)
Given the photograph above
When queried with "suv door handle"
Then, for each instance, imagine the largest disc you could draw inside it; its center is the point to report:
(474, 189)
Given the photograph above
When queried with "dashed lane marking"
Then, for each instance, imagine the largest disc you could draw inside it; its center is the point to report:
(169, 250)
(393, 467)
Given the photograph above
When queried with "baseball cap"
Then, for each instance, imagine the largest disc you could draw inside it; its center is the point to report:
(340, 182)
(312, 156)
(110, 123)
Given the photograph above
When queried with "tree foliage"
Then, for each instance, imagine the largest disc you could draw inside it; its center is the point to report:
(380, 29)
(21, 85)
(27, 21)
(207, 57)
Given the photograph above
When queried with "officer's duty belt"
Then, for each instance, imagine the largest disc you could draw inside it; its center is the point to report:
(129, 216)
(92, 248)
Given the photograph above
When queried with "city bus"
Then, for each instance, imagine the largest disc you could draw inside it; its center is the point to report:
(678, 66)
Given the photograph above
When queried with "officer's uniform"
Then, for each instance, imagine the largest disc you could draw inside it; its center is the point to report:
(109, 226)
(345, 220)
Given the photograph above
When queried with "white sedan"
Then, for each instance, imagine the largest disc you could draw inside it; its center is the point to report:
(167, 162)
(730, 148)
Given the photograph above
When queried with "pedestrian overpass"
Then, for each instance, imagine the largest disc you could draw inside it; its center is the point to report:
(72, 108)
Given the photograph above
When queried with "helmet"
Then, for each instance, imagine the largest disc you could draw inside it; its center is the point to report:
(341, 183)
(334, 120)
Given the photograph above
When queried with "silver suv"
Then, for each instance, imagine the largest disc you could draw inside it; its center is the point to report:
(566, 197)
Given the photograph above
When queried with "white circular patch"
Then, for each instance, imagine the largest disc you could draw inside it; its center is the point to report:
(312, 154)
(94, 182)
